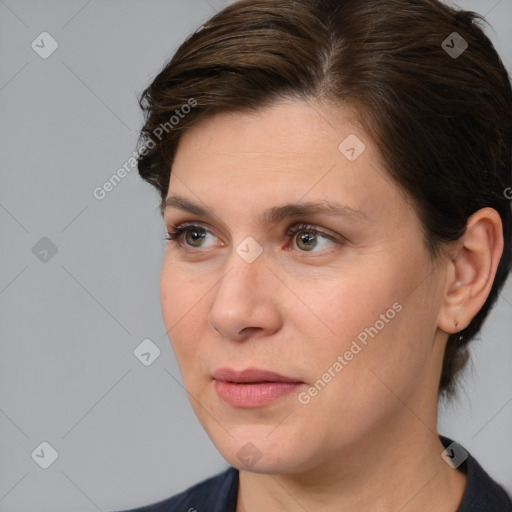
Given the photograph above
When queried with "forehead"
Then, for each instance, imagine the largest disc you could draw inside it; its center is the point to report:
(290, 139)
(284, 127)
(289, 152)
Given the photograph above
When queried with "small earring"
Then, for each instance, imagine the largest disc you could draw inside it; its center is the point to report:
(461, 336)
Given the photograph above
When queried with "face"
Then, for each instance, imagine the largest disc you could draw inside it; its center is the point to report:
(298, 297)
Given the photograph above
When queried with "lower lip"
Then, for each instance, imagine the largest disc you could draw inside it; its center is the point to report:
(253, 395)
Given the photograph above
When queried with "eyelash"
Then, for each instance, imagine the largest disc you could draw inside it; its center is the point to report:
(177, 232)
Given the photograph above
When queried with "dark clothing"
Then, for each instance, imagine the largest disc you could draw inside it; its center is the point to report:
(219, 493)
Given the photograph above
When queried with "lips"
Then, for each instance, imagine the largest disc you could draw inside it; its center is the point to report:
(250, 375)
(252, 387)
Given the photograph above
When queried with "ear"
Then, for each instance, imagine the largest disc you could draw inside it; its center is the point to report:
(473, 261)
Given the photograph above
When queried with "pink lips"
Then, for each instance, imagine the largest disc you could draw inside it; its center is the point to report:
(252, 387)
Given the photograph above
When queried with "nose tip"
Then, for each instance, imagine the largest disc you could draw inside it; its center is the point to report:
(244, 303)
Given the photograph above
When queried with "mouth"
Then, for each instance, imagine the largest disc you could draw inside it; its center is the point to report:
(252, 387)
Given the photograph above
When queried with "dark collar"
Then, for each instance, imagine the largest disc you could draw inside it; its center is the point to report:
(482, 493)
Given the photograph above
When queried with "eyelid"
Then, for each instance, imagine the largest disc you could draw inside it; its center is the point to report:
(191, 224)
(295, 228)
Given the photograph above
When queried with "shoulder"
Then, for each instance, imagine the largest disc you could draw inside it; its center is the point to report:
(482, 493)
(216, 494)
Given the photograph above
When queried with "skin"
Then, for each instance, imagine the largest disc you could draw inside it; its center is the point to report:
(368, 440)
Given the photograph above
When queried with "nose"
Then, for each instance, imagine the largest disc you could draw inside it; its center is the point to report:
(245, 304)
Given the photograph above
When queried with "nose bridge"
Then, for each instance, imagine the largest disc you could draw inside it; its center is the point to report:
(243, 298)
(242, 284)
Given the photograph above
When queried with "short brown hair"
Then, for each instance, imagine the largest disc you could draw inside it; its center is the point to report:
(441, 119)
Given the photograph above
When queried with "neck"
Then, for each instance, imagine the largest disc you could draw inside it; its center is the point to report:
(388, 473)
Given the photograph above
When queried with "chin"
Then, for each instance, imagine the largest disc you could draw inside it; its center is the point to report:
(252, 449)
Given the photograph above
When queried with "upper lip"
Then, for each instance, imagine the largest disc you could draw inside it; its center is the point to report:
(250, 375)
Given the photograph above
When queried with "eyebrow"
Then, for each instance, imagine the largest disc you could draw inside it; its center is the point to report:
(271, 215)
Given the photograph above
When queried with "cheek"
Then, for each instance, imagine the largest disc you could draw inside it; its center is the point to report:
(367, 319)
(380, 349)
(181, 311)
(341, 306)
(181, 289)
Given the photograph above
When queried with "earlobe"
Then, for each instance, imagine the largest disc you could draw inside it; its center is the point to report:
(472, 268)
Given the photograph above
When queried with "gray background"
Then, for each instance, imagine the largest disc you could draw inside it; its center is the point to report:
(124, 432)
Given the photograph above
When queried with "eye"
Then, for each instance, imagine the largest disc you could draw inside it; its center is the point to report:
(191, 235)
(309, 238)
(305, 237)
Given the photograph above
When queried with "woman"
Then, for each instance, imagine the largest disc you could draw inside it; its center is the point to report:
(333, 177)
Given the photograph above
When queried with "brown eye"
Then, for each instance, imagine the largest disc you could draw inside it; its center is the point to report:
(195, 236)
(192, 236)
(306, 240)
